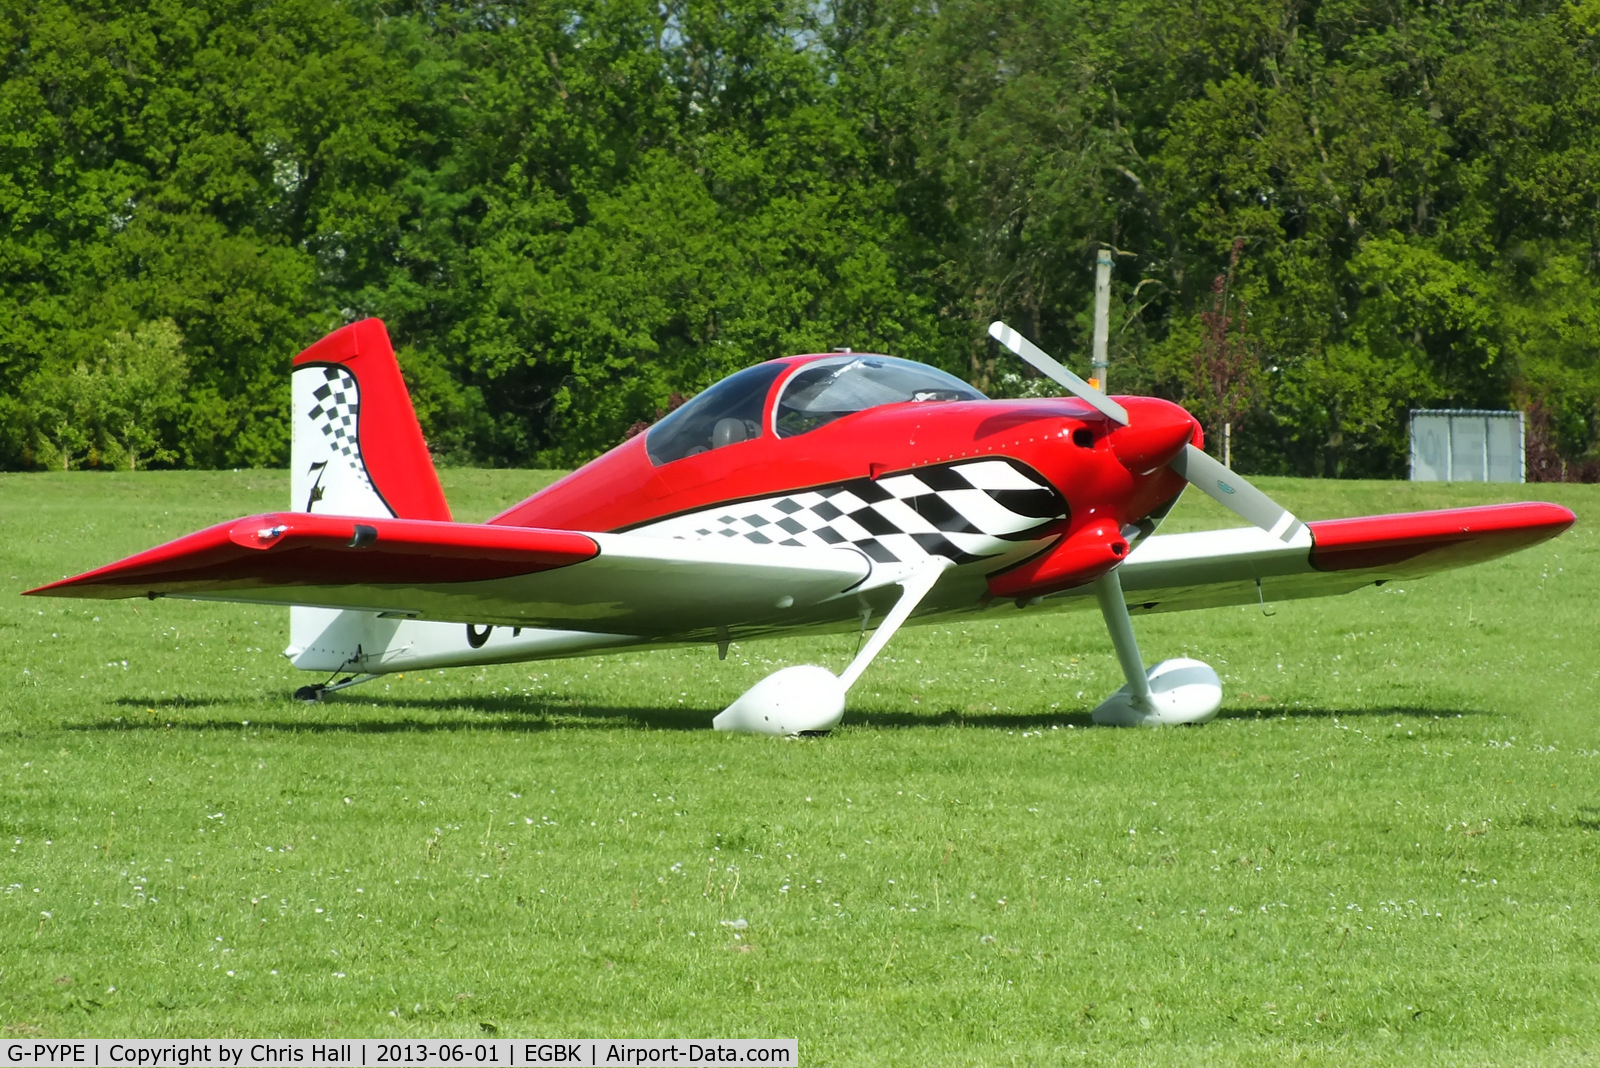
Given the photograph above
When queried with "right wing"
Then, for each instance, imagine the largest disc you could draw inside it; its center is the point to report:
(1176, 572)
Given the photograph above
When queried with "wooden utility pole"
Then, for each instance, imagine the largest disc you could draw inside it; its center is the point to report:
(1102, 319)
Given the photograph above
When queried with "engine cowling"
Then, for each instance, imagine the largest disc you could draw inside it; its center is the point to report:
(1080, 557)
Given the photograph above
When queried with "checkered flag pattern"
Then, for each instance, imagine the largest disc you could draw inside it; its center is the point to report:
(336, 414)
(963, 511)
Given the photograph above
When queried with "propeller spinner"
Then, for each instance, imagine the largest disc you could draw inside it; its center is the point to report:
(1228, 488)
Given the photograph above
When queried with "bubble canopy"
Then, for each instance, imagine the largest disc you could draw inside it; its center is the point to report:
(816, 394)
(727, 413)
(830, 389)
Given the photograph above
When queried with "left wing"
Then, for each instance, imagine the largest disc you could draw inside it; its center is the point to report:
(483, 574)
(1175, 572)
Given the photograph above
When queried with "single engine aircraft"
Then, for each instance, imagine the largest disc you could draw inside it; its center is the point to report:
(817, 492)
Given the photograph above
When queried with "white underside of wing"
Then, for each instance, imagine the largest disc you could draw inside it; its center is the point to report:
(637, 585)
(1215, 555)
(1208, 569)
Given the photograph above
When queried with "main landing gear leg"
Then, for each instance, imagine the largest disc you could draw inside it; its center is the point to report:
(1174, 691)
(317, 693)
(807, 699)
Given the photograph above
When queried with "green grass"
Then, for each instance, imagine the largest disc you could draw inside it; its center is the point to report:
(1384, 852)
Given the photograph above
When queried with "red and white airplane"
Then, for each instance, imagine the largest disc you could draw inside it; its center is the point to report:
(820, 492)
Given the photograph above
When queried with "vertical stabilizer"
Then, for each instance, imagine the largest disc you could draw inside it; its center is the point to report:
(357, 449)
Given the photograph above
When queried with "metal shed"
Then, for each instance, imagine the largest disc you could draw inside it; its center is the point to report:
(1467, 445)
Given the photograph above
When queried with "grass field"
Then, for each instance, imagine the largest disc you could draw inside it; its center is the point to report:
(1386, 851)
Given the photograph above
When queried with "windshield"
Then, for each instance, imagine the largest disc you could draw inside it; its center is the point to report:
(828, 389)
(727, 413)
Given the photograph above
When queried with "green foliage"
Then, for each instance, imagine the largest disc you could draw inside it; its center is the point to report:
(146, 374)
(1551, 315)
(568, 212)
(117, 409)
(64, 412)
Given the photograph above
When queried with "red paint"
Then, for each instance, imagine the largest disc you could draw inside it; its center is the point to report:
(1433, 540)
(392, 445)
(623, 489)
(1081, 557)
(1157, 431)
(315, 550)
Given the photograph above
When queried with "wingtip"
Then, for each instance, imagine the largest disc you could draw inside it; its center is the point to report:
(73, 586)
(61, 586)
(1469, 534)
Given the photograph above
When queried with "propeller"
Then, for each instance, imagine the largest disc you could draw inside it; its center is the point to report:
(1228, 488)
(1042, 362)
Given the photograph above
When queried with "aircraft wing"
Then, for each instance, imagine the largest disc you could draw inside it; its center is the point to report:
(482, 574)
(1175, 572)
(639, 585)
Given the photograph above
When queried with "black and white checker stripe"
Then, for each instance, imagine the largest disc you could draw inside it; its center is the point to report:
(337, 409)
(963, 511)
(337, 414)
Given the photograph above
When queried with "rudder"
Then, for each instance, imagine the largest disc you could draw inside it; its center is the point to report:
(356, 450)
(356, 447)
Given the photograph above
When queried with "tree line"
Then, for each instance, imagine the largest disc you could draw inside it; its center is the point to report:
(1323, 212)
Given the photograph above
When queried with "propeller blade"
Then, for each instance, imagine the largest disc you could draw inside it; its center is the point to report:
(1235, 494)
(1226, 487)
(1048, 367)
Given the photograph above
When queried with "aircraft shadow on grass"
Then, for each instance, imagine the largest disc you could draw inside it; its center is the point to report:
(488, 712)
(1400, 712)
(517, 712)
(1037, 720)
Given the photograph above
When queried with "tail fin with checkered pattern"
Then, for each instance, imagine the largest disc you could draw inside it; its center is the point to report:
(357, 449)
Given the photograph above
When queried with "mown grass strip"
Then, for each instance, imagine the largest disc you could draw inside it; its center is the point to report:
(1384, 851)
